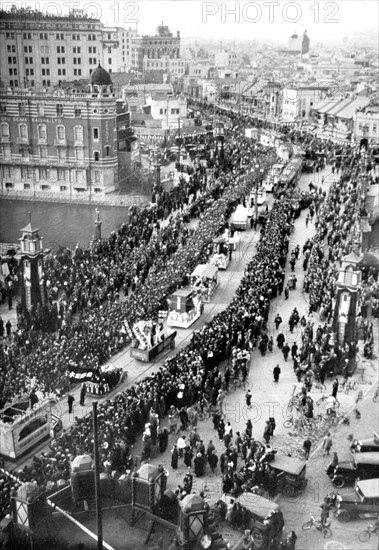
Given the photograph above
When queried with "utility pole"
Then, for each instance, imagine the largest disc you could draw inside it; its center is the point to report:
(179, 136)
(99, 519)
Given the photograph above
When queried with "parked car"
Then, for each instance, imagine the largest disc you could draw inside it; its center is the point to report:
(363, 502)
(290, 473)
(365, 445)
(361, 466)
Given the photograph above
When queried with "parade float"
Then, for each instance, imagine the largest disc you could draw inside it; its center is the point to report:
(204, 279)
(185, 307)
(22, 427)
(239, 218)
(149, 339)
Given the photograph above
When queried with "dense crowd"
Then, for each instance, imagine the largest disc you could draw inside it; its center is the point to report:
(153, 261)
(144, 257)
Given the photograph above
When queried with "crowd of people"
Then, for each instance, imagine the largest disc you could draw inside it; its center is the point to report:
(124, 416)
(148, 262)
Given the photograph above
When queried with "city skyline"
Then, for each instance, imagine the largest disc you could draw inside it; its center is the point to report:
(231, 21)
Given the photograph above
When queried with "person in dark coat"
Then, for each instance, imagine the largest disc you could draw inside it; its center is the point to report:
(221, 429)
(213, 460)
(276, 372)
(280, 340)
(199, 464)
(335, 388)
(267, 432)
(174, 457)
(33, 399)
(83, 391)
(285, 351)
(8, 327)
(188, 454)
(70, 402)
(277, 321)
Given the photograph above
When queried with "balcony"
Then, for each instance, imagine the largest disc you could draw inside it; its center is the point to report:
(60, 142)
(5, 139)
(42, 141)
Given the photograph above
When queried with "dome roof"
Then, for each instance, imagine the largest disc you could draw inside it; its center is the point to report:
(101, 77)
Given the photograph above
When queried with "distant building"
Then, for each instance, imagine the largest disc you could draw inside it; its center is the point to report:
(226, 59)
(305, 43)
(170, 110)
(298, 101)
(366, 123)
(60, 142)
(298, 44)
(152, 52)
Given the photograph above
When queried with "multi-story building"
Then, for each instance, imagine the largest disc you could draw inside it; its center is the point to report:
(151, 51)
(366, 123)
(171, 110)
(62, 142)
(227, 59)
(116, 48)
(298, 101)
(42, 50)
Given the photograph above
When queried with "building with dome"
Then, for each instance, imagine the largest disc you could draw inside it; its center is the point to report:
(64, 141)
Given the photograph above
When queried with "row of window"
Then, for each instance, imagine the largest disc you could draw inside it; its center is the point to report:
(28, 173)
(61, 154)
(41, 106)
(42, 132)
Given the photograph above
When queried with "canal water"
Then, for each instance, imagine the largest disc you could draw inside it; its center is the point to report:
(60, 224)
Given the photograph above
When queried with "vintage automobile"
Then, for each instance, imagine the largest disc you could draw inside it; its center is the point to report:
(363, 502)
(290, 472)
(263, 518)
(365, 445)
(361, 466)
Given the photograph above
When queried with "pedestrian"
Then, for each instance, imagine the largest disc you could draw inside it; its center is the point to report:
(199, 464)
(307, 448)
(327, 444)
(335, 388)
(272, 425)
(277, 321)
(220, 400)
(70, 402)
(174, 457)
(188, 455)
(276, 372)
(8, 328)
(248, 398)
(267, 432)
(286, 292)
(181, 445)
(333, 464)
(83, 391)
(285, 351)
(325, 509)
(280, 340)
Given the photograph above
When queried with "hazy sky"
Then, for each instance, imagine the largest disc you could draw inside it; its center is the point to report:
(271, 19)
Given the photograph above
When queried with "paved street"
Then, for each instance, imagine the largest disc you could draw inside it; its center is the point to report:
(269, 400)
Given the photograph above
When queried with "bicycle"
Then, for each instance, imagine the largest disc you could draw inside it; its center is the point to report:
(324, 528)
(361, 378)
(350, 385)
(364, 536)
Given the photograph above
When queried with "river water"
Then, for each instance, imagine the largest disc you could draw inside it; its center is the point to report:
(60, 224)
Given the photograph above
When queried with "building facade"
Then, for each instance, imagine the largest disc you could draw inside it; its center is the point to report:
(366, 123)
(62, 142)
(152, 51)
(298, 101)
(42, 50)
